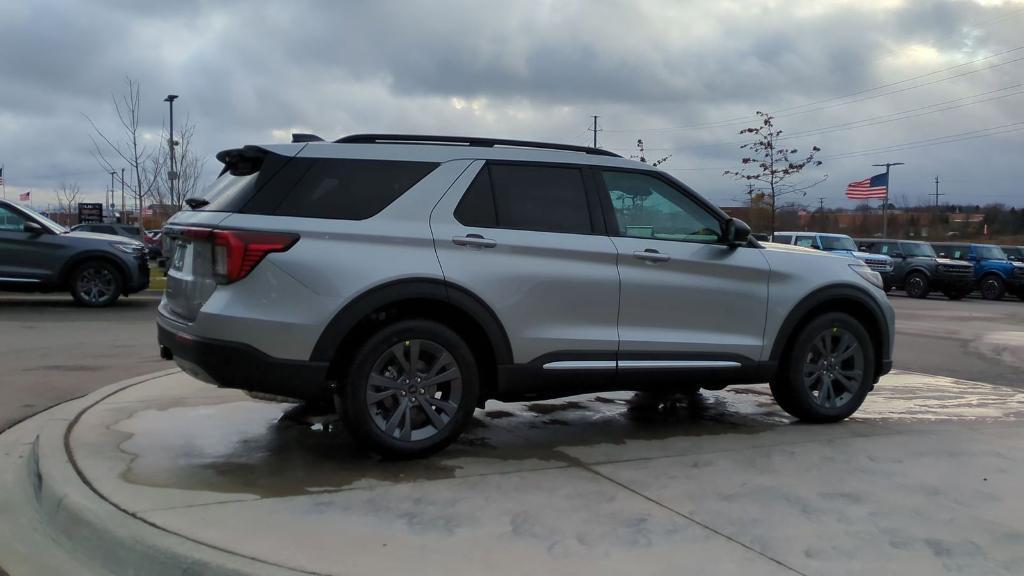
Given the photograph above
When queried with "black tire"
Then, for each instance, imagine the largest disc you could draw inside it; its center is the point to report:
(916, 285)
(992, 288)
(377, 365)
(797, 396)
(96, 284)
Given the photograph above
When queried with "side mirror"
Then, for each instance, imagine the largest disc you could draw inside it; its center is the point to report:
(737, 233)
(897, 254)
(32, 228)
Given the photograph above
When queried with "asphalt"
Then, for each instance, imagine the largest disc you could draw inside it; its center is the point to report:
(52, 351)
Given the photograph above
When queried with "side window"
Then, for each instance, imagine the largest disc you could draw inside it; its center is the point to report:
(130, 231)
(477, 205)
(782, 239)
(10, 221)
(104, 230)
(351, 189)
(540, 198)
(646, 207)
(805, 241)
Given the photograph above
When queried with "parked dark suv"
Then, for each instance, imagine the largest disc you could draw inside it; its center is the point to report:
(918, 270)
(39, 255)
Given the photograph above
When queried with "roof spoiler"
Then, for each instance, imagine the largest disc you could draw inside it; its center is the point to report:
(241, 161)
(299, 137)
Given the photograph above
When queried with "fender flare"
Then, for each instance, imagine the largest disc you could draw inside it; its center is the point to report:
(823, 296)
(63, 275)
(408, 289)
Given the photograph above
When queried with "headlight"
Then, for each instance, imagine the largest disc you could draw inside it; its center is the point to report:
(868, 274)
(127, 247)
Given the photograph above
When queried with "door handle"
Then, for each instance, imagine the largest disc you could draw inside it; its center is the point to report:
(474, 240)
(651, 255)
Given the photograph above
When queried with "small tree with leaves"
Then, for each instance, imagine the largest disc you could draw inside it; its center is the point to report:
(770, 165)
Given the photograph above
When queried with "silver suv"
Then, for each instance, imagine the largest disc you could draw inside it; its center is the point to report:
(406, 280)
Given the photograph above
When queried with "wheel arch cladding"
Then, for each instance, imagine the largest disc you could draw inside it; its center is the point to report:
(69, 267)
(435, 300)
(845, 299)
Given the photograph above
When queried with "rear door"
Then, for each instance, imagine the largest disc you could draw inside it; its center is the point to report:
(528, 239)
(685, 295)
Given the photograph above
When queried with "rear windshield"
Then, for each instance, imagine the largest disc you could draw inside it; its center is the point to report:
(227, 193)
(837, 243)
(915, 249)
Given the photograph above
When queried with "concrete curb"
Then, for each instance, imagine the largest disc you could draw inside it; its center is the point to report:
(91, 529)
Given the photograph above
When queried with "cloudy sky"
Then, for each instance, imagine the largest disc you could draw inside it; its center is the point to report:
(683, 76)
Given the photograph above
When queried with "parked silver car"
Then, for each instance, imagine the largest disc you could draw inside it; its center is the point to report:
(408, 279)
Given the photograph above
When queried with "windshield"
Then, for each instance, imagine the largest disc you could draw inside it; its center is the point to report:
(990, 253)
(914, 249)
(53, 226)
(837, 243)
(1015, 252)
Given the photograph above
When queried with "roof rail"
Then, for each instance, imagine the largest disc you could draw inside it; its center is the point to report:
(303, 137)
(461, 140)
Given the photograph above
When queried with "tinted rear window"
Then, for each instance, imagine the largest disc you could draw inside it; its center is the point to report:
(477, 205)
(540, 198)
(228, 193)
(782, 239)
(351, 189)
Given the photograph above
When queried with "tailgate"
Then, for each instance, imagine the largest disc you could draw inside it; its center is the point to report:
(190, 280)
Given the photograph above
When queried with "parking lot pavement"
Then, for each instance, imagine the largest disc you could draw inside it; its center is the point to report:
(972, 339)
(923, 480)
(52, 350)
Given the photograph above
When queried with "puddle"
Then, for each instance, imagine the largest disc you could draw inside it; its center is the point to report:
(245, 446)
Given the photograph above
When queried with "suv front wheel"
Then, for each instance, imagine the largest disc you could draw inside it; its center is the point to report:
(411, 389)
(828, 371)
(95, 284)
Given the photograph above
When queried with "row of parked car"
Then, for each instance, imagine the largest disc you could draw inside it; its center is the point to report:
(151, 238)
(953, 268)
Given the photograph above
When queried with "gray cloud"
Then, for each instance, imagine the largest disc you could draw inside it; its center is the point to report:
(250, 72)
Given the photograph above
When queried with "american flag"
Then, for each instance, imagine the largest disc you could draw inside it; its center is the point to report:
(1, 175)
(875, 187)
(24, 196)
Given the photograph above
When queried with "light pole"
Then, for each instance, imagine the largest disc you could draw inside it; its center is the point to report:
(885, 206)
(172, 175)
(112, 172)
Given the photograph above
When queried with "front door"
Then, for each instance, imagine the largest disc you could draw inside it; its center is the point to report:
(685, 295)
(23, 255)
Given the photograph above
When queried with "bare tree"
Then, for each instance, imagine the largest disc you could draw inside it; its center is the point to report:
(190, 167)
(67, 196)
(770, 165)
(641, 157)
(127, 146)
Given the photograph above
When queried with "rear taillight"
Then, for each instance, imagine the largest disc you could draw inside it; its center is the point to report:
(237, 252)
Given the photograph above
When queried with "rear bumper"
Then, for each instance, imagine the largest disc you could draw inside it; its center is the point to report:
(236, 365)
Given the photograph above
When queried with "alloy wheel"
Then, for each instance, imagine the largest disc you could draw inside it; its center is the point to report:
(414, 390)
(96, 285)
(833, 368)
(990, 289)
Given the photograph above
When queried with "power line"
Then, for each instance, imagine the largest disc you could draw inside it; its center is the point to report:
(947, 139)
(792, 110)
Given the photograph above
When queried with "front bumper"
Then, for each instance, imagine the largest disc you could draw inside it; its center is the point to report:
(237, 365)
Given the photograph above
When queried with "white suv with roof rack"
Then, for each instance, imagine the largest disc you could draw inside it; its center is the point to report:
(406, 280)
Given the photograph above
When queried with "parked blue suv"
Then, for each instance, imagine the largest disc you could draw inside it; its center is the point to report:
(994, 272)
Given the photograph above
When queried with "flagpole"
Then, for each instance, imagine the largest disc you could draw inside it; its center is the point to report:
(3, 182)
(885, 206)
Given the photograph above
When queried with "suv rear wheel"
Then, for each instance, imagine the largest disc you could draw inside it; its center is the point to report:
(411, 389)
(95, 284)
(992, 288)
(828, 372)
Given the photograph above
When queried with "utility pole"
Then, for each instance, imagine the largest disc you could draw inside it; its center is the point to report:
(172, 174)
(821, 203)
(936, 194)
(594, 130)
(885, 207)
